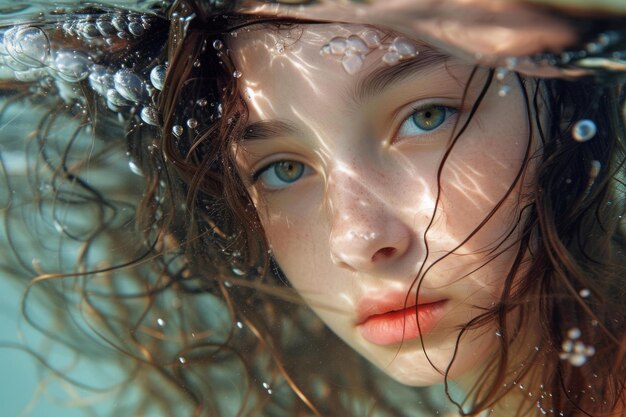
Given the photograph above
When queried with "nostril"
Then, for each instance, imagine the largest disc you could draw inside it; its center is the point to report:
(383, 253)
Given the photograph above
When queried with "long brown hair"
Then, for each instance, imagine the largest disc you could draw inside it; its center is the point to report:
(191, 302)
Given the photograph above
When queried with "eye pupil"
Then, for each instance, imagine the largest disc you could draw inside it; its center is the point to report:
(289, 171)
(430, 118)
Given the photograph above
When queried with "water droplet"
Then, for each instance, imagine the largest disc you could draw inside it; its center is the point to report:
(130, 86)
(338, 46)
(504, 90)
(237, 74)
(217, 44)
(157, 76)
(150, 115)
(357, 44)
(115, 98)
(136, 28)
(573, 333)
(280, 47)
(192, 123)
(177, 130)
(391, 58)
(403, 46)
(501, 73)
(371, 38)
(584, 293)
(266, 385)
(352, 63)
(567, 346)
(584, 130)
(160, 322)
(71, 66)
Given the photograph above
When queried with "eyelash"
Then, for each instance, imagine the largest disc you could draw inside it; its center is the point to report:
(271, 174)
(271, 170)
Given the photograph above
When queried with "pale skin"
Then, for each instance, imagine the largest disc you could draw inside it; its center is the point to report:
(344, 178)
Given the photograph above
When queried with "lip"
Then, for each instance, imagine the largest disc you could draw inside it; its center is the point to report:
(386, 320)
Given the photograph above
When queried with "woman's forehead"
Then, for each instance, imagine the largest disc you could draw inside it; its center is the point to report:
(350, 47)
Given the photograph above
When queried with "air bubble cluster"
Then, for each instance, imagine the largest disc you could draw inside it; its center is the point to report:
(574, 350)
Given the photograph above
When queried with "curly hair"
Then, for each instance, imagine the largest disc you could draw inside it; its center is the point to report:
(172, 276)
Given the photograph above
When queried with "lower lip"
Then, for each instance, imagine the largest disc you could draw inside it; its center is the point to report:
(397, 326)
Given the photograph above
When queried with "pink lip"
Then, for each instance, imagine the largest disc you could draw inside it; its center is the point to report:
(387, 321)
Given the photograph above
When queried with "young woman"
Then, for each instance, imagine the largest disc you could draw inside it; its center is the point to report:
(449, 222)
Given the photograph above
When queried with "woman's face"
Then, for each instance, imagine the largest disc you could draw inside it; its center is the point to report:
(343, 166)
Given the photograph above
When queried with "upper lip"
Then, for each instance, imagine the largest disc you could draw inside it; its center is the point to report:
(374, 304)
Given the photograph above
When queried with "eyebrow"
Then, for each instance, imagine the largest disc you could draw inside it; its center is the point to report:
(379, 80)
(371, 85)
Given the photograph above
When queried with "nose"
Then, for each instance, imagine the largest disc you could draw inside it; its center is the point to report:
(367, 232)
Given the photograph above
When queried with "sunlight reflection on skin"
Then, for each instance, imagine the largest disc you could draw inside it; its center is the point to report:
(366, 189)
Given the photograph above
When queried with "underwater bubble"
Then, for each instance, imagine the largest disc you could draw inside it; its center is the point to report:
(352, 63)
(150, 115)
(338, 46)
(192, 123)
(239, 325)
(115, 98)
(573, 333)
(238, 271)
(391, 58)
(403, 46)
(584, 293)
(280, 47)
(136, 170)
(197, 63)
(510, 62)
(129, 85)
(105, 27)
(228, 284)
(119, 23)
(357, 44)
(504, 91)
(157, 76)
(202, 102)
(177, 130)
(237, 74)
(88, 30)
(501, 73)
(325, 50)
(72, 66)
(101, 80)
(218, 44)
(33, 74)
(136, 29)
(371, 38)
(584, 130)
(30, 46)
(577, 359)
(181, 359)
(160, 322)
(567, 346)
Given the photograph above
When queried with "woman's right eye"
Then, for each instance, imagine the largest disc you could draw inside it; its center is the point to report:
(280, 174)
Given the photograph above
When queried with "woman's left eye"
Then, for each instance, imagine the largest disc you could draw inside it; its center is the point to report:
(425, 120)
